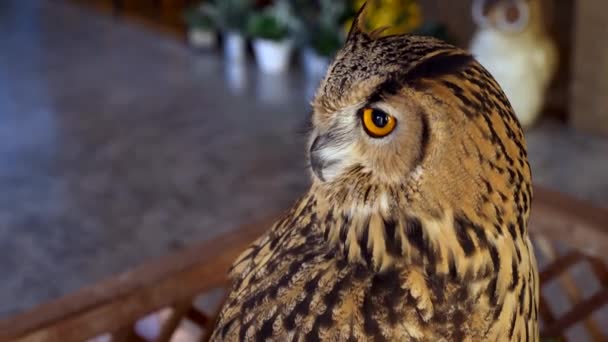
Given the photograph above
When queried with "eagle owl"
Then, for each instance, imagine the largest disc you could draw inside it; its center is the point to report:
(513, 44)
(415, 224)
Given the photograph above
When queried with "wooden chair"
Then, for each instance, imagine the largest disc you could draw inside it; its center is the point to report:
(566, 232)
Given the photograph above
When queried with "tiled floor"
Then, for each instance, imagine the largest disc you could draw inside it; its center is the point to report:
(117, 145)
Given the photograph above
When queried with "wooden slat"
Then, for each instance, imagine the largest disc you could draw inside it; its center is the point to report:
(213, 319)
(600, 270)
(197, 317)
(560, 265)
(566, 281)
(127, 334)
(170, 325)
(577, 223)
(113, 303)
(545, 311)
(577, 314)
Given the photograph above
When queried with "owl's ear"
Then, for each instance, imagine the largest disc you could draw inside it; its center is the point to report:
(357, 28)
(514, 16)
(480, 10)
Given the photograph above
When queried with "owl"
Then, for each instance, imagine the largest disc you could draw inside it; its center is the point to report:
(415, 225)
(513, 44)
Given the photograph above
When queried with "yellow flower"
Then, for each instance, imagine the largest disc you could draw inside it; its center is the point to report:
(414, 16)
(398, 16)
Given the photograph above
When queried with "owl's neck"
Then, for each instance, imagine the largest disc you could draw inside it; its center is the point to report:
(447, 242)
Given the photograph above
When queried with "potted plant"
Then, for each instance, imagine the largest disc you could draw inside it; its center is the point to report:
(320, 32)
(272, 43)
(201, 34)
(322, 46)
(230, 16)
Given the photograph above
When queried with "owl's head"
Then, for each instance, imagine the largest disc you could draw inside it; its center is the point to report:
(414, 119)
(508, 16)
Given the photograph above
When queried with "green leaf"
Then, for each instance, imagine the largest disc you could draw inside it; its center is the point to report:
(196, 18)
(267, 26)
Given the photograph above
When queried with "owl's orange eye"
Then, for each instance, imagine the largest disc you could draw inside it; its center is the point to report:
(377, 123)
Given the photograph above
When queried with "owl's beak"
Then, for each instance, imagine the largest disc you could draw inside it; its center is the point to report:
(322, 161)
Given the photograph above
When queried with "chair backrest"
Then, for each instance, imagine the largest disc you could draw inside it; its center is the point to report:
(114, 306)
(571, 240)
(566, 232)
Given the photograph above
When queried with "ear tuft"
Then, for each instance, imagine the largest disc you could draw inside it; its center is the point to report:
(357, 27)
(377, 33)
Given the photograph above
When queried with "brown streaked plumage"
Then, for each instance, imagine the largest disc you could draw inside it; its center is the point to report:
(416, 236)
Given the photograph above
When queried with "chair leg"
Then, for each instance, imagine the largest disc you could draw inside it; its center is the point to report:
(169, 327)
(118, 6)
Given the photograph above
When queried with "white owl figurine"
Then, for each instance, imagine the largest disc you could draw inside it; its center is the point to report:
(513, 44)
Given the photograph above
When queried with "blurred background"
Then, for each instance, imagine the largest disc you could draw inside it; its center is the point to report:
(132, 128)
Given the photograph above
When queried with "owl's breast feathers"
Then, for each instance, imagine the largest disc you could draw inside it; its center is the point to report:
(409, 278)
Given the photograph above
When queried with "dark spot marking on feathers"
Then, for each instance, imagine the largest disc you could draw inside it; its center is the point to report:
(227, 326)
(512, 231)
(303, 307)
(424, 138)
(390, 86)
(437, 66)
(497, 310)
(514, 274)
(368, 309)
(491, 291)
(366, 194)
(331, 299)
(438, 286)
(464, 239)
(306, 229)
(254, 300)
(389, 282)
(453, 272)
(413, 232)
(512, 328)
(489, 187)
(313, 336)
(530, 296)
(243, 330)
(387, 286)
(522, 297)
(431, 68)
(363, 241)
(266, 330)
(495, 257)
(518, 252)
(521, 224)
(360, 271)
(393, 245)
(480, 233)
(458, 320)
(344, 228)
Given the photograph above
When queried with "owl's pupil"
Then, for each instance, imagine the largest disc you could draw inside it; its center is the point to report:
(512, 14)
(379, 118)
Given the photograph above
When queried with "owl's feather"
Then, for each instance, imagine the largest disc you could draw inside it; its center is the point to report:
(420, 236)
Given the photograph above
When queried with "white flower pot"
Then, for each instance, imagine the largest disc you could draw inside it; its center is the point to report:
(236, 76)
(234, 47)
(272, 57)
(314, 65)
(201, 39)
